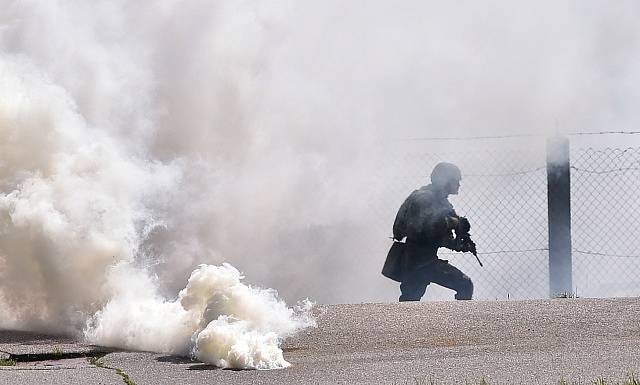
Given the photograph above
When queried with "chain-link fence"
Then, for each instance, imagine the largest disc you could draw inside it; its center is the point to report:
(504, 195)
(605, 221)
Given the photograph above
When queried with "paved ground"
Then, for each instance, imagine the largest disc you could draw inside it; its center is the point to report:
(506, 342)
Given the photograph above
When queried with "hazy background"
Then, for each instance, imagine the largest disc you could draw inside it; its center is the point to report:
(260, 133)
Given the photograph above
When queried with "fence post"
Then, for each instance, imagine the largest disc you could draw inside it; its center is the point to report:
(559, 214)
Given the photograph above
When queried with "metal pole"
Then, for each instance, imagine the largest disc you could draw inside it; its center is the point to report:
(559, 213)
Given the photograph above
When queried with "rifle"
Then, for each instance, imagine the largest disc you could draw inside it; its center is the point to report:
(463, 238)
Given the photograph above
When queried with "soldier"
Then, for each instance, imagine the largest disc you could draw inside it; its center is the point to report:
(426, 219)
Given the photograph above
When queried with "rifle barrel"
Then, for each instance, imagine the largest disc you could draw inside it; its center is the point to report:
(476, 255)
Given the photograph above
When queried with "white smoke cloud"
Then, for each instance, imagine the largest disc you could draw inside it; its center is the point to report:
(73, 224)
(216, 318)
(72, 201)
(139, 140)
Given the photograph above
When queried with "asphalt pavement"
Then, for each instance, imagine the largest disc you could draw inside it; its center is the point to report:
(502, 342)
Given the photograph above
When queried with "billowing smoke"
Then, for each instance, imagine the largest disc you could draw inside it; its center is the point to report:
(74, 203)
(74, 225)
(140, 140)
(85, 206)
(216, 318)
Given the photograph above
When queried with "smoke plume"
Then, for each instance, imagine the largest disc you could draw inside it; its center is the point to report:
(215, 318)
(141, 140)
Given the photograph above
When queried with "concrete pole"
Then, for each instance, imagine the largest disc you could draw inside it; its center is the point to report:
(559, 213)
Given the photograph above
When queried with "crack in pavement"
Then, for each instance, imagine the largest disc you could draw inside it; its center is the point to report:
(57, 360)
(55, 356)
(95, 361)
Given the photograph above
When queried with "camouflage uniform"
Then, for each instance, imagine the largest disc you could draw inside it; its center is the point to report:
(422, 218)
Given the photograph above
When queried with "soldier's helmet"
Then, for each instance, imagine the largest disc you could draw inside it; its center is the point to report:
(445, 172)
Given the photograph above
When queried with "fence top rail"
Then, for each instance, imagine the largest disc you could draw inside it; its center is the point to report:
(518, 136)
(610, 171)
(605, 254)
(514, 173)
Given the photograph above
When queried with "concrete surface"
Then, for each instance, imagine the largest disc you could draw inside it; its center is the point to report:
(89, 375)
(505, 342)
(24, 343)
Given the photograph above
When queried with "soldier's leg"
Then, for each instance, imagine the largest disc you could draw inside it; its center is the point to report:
(450, 277)
(413, 287)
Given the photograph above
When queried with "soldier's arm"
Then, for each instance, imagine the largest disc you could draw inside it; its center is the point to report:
(445, 221)
(402, 219)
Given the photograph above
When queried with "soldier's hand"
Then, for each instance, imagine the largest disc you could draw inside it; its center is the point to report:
(468, 246)
(464, 224)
